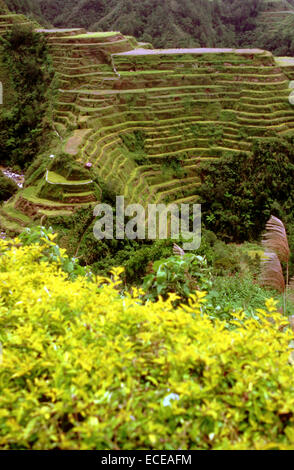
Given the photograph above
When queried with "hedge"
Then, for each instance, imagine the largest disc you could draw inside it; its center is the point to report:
(87, 365)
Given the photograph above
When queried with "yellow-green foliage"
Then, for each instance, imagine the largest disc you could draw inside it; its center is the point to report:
(87, 367)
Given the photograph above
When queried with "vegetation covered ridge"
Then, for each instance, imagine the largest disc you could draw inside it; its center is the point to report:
(119, 67)
(131, 120)
(178, 23)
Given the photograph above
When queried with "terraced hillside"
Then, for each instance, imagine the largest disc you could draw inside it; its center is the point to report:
(287, 65)
(145, 118)
(152, 116)
(273, 13)
(8, 20)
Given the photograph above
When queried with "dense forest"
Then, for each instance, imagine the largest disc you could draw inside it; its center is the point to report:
(172, 23)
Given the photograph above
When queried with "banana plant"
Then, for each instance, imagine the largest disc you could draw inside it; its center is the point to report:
(277, 251)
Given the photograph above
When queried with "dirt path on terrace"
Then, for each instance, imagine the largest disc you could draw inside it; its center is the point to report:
(206, 50)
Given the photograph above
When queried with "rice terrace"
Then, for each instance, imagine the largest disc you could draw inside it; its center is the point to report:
(125, 342)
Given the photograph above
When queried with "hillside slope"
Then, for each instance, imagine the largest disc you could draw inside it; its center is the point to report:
(172, 23)
(30, 8)
(144, 119)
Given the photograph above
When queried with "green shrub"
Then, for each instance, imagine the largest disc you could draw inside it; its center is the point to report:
(239, 192)
(235, 292)
(7, 187)
(51, 252)
(177, 274)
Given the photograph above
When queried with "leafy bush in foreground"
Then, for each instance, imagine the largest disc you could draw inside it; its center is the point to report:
(179, 274)
(87, 368)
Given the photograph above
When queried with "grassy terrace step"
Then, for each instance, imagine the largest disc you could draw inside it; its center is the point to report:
(263, 108)
(92, 102)
(77, 70)
(97, 138)
(199, 152)
(195, 160)
(195, 142)
(9, 226)
(66, 116)
(130, 116)
(106, 163)
(187, 138)
(55, 33)
(73, 63)
(118, 163)
(187, 103)
(227, 84)
(287, 66)
(101, 94)
(188, 199)
(164, 122)
(264, 94)
(207, 77)
(14, 18)
(13, 215)
(7, 27)
(54, 213)
(82, 47)
(138, 174)
(55, 178)
(62, 62)
(65, 121)
(99, 152)
(176, 133)
(191, 66)
(29, 194)
(119, 172)
(167, 185)
(153, 57)
(188, 91)
(115, 170)
(262, 121)
(137, 189)
(79, 197)
(159, 127)
(87, 75)
(182, 188)
(197, 94)
(99, 37)
(79, 109)
(165, 128)
(269, 115)
(151, 175)
(171, 127)
(91, 46)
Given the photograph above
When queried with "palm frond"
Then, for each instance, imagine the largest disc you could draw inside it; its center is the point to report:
(271, 272)
(275, 239)
(177, 250)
